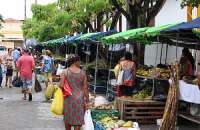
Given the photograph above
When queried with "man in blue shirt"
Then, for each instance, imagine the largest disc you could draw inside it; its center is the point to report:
(16, 55)
(47, 67)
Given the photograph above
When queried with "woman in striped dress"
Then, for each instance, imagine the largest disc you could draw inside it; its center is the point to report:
(74, 106)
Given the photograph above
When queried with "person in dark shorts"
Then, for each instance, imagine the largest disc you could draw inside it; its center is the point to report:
(25, 66)
(9, 67)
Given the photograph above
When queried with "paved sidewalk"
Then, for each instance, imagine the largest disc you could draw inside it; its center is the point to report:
(16, 114)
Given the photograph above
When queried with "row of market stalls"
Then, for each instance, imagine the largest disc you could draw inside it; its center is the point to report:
(148, 103)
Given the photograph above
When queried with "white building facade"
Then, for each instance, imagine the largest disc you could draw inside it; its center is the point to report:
(170, 13)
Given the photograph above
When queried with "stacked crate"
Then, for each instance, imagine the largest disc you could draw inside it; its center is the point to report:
(142, 111)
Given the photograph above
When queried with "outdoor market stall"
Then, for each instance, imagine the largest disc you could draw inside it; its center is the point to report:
(141, 108)
(143, 35)
(144, 31)
(187, 34)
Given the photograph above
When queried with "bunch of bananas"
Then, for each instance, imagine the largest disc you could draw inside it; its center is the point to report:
(143, 72)
(109, 122)
(159, 73)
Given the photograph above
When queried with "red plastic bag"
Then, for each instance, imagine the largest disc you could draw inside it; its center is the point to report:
(66, 89)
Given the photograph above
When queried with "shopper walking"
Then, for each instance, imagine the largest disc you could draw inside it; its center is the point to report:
(16, 55)
(47, 67)
(9, 67)
(25, 65)
(74, 106)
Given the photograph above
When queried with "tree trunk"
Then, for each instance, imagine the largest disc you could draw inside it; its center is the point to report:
(137, 21)
(99, 21)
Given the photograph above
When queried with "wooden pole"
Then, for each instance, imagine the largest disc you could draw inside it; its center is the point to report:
(189, 13)
(198, 11)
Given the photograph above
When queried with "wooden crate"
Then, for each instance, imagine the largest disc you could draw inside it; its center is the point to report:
(142, 111)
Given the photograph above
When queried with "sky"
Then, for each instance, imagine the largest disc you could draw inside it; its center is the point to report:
(15, 8)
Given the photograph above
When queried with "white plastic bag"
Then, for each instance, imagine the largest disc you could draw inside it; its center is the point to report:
(100, 100)
(120, 78)
(60, 69)
(88, 121)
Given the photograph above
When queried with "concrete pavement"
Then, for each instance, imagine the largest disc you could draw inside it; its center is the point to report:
(16, 114)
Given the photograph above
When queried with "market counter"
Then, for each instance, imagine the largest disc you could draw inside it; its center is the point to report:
(189, 92)
(143, 111)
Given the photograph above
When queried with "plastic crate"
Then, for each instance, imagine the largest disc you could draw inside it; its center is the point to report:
(98, 126)
(102, 112)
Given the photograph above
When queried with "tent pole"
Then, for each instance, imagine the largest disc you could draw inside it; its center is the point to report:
(86, 60)
(156, 52)
(110, 65)
(166, 53)
(153, 90)
(96, 69)
(76, 50)
(196, 58)
(177, 37)
(161, 51)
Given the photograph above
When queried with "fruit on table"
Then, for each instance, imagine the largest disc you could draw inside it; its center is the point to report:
(159, 73)
(146, 92)
(128, 124)
(120, 123)
(106, 106)
(109, 122)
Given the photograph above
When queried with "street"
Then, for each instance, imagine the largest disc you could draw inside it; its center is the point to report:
(17, 114)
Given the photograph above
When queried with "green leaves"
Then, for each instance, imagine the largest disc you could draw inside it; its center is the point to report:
(194, 3)
(65, 17)
(44, 12)
(1, 20)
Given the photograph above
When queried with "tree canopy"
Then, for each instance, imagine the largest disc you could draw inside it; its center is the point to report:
(194, 3)
(1, 20)
(68, 16)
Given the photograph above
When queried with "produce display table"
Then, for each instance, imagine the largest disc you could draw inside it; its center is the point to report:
(142, 111)
(160, 86)
(189, 92)
(108, 119)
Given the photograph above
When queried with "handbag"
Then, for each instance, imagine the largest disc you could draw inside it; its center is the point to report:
(17, 82)
(37, 87)
(120, 78)
(66, 88)
(57, 105)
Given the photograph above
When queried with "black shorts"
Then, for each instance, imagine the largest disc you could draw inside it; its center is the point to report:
(9, 72)
(126, 90)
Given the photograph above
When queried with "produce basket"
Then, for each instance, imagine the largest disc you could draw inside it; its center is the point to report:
(99, 113)
(98, 126)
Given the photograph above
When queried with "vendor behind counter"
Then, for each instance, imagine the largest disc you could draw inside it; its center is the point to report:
(187, 63)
